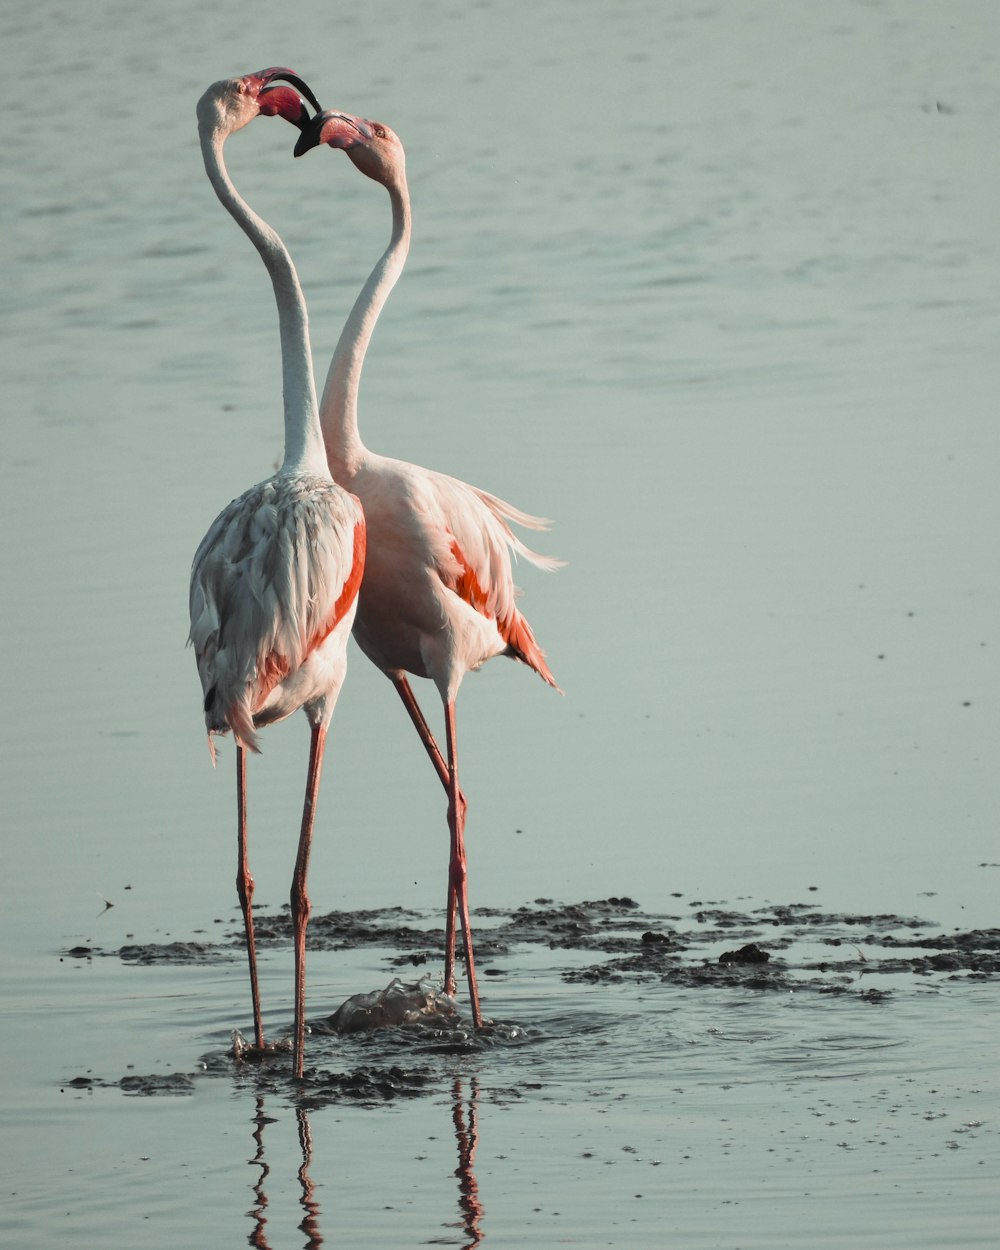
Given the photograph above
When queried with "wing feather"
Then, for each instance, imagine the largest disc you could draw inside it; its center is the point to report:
(276, 571)
(474, 559)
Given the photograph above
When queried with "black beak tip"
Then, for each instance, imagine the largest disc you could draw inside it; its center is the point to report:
(308, 139)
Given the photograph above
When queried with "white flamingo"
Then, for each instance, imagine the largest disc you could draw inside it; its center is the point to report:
(274, 584)
(438, 595)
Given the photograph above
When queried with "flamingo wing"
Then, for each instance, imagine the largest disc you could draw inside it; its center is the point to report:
(473, 558)
(275, 573)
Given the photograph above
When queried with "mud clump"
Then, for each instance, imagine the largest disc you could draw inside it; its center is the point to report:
(370, 1086)
(178, 1083)
(174, 953)
(749, 954)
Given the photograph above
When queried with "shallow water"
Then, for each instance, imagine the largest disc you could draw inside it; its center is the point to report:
(836, 1095)
(713, 287)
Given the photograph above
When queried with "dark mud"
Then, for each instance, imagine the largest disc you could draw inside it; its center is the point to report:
(442, 1032)
(606, 942)
(710, 944)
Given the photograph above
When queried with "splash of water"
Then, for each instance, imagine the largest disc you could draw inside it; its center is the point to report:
(396, 1005)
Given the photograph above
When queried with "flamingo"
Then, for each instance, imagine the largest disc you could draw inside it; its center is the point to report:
(438, 597)
(274, 583)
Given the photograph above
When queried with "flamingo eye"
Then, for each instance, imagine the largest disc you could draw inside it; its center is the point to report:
(379, 132)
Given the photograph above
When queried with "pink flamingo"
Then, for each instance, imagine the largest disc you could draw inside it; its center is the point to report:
(438, 595)
(274, 584)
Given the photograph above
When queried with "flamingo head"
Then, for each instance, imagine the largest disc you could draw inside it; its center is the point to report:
(231, 103)
(373, 147)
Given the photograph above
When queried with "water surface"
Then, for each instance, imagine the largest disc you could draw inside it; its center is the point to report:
(715, 288)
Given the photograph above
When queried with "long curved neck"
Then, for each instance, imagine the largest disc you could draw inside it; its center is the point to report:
(339, 405)
(304, 451)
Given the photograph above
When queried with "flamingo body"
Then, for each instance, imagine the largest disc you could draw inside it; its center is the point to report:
(274, 582)
(438, 594)
(438, 597)
(274, 589)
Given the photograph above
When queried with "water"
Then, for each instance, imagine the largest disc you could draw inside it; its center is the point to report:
(715, 288)
(627, 1112)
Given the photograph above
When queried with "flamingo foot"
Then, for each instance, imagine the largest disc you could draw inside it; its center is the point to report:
(251, 1052)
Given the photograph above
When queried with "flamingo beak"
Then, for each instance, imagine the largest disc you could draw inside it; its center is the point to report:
(265, 77)
(282, 101)
(277, 100)
(337, 130)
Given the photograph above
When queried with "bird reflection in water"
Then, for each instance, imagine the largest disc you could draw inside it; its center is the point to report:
(309, 1224)
(465, 1119)
(310, 1207)
(256, 1212)
(464, 1114)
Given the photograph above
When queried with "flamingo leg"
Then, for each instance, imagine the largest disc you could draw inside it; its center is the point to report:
(405, 692)
(244, 888)
(458, 896)
(299, 898)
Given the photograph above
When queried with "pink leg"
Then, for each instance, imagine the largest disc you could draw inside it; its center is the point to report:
(457, 876)
(405, 692)
(244, 888)
(299, 898)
